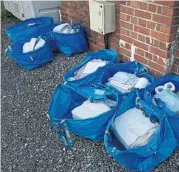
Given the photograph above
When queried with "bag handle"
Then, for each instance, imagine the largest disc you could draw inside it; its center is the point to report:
(30, 25)
(63, 133)
(26, 27)
(36, 42)
(148, 109)
(154, 101)
(107, 92)
(8, 50)
(140, 70)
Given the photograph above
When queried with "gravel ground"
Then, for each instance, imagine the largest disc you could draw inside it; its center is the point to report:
(29, 144)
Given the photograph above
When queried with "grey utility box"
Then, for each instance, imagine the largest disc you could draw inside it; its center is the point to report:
(29, 9)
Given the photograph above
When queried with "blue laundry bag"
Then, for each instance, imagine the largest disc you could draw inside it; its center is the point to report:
(71, 43)
(66, 98)
(130, 67)
(148, 96)
(30, 60)
(159, 147)
(102, 74)
(30, 28)
(108, 55)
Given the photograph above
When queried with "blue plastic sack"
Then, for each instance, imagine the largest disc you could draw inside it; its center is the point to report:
(65, 99)
(30, 28)
(30, 60)
(102, 75)
(148, 96)
(142, 158)
(130, 67)
(109, 55)
(72, 43)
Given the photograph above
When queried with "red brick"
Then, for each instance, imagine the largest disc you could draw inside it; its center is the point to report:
(173, 29)
(143, 14)
(152, 8)
(86, 7)
(142, 22)
(158, 27)
(139, 51)
(159, 10)
(175, 69)
(123, 31)
(113, 46)
(141, 59)
(141, 38)
(168, 3)
(126, 38)
(149, 40)
(143, 5)
(156, 66)
(160, 36)
(141, 45)
(177, 53)
(160, 61)
(101, 46)
(124, 51)
(158, 51)
(135, 4)
(126, 25)
(164, 19)
(128, 46)
(141, 30)
(168, 11)
(126, 10)
(165, 29)
(158, 74)
(155, 43)
(93, 47)
(150, 25)
(133, 35)
(134, 20)
(123, 16)
(128, 3)
(155, 58)
(163, 46)
(148, 55)
(122, 2)
(128, 18)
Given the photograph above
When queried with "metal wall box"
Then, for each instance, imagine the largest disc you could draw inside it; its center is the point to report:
(102, 16)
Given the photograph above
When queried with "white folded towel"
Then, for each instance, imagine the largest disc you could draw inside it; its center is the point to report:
(89, 110)
(29, 46)
(132, 128)
(123, 80)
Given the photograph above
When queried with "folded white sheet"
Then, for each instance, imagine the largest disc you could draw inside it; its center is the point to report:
(29, 46)
(89, 110)
(88, 68)
(92, 66)
(132, 128)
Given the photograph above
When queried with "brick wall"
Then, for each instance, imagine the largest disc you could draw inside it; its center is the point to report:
(176, 64)
(145, 29)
